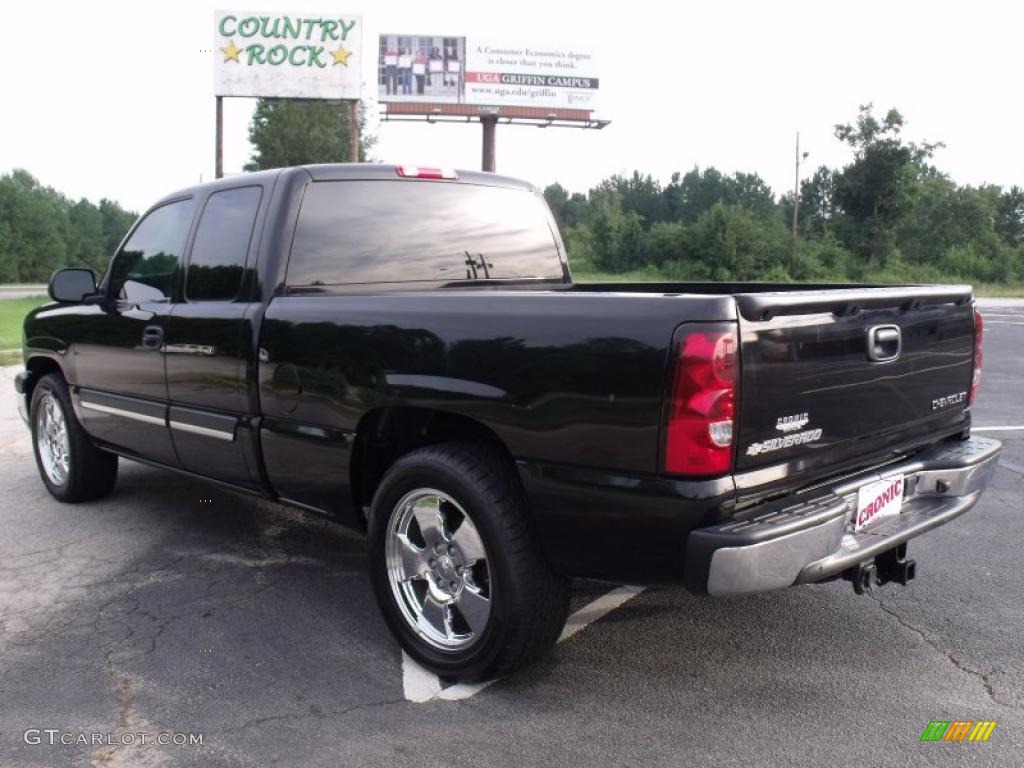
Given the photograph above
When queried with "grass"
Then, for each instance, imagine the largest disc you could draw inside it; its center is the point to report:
(641, 275)
(998, 291)
(652, 274)
(12, 314)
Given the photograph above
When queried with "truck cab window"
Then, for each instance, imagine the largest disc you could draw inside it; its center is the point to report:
(352, 232)
(144, 268)
(222, 243)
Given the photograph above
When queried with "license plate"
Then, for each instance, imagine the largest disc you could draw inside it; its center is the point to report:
(877, 501)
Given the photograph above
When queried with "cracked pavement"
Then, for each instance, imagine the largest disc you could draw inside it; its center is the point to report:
(255, 625)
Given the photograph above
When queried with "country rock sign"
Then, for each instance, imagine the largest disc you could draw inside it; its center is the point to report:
(287, 55)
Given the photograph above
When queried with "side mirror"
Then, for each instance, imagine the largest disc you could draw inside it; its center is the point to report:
(72, 285)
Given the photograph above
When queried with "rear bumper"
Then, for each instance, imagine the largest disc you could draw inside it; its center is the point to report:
(809, 537)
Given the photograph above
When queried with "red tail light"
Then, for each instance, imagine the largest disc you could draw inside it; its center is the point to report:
(419, 172)
(701, 408)
(979, 336)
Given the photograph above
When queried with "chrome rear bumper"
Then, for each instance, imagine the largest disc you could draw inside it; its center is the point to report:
(798, 541)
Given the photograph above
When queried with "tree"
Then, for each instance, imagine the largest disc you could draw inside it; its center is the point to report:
(287, 132)
(1010, 216)
(116, 223)
(86, 246)
(615, 236)
(8, 261)
(873, 192)
(750, 191)
(817, 203)
(734, 244)
(640, 194)
(41, 230)
(689, 196)
(38, 223)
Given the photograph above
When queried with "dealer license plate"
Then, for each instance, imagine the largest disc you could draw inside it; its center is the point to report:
(877, 501)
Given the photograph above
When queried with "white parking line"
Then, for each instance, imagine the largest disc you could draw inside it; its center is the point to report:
(421, 685)
(996, 429)
(591, 612)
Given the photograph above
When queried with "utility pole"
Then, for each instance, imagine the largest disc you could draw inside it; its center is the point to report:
(218, 141)
(354, 131)
(796, 185)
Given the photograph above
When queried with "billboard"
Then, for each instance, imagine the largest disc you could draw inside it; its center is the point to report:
(449, 69)
(425, 68)
(287, 55)
(511, 74)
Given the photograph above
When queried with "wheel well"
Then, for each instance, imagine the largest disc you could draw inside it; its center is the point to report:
(39, 367)
(386, 434)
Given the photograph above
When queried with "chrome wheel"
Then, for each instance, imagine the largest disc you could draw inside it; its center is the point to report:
(438, 569)
(52, 439)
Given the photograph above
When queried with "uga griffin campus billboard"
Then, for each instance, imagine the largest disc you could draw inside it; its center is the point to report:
(449, 69)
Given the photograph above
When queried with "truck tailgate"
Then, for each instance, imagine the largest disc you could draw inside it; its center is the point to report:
(831, 374)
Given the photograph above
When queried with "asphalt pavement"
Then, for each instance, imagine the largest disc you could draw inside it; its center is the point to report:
(174, 607)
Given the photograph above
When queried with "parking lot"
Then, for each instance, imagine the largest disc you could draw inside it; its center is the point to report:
(174, 606)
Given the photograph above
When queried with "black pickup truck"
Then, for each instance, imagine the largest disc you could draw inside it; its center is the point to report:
(403, 349)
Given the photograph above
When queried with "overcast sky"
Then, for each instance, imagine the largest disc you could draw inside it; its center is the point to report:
(104, 99)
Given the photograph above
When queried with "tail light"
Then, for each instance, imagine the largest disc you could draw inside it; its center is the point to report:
(419, 172)
(701, 408)
(979, 336)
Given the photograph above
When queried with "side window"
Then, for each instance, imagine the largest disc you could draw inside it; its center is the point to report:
(144, 269)
(222, 242)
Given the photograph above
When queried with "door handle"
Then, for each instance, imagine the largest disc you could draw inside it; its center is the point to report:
(153, 337)
(885, 342)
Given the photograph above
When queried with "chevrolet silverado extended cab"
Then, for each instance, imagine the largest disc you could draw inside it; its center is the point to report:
(404, 349)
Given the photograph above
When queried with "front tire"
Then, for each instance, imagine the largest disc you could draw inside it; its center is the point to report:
(71, 467)
(456, 566)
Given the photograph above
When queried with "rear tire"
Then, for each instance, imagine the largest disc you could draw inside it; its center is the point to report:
(468, 594)
(71, 467)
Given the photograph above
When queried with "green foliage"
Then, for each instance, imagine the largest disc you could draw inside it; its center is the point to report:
(285, 132)
(887, 216)
(567, 209)
(691, 195)
(41, 230)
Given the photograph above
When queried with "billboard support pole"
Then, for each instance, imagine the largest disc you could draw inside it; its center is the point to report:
(354, 131)
(218, 160)
(489, 123)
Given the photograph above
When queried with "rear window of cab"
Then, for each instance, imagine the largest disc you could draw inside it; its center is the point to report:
(356, 232)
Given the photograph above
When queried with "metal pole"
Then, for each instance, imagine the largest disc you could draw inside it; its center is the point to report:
(218, 162)
(489, 123)
(354, 132)
(796, 185)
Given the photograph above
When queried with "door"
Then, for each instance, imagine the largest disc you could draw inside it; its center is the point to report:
(119, 358)
(210, 343)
